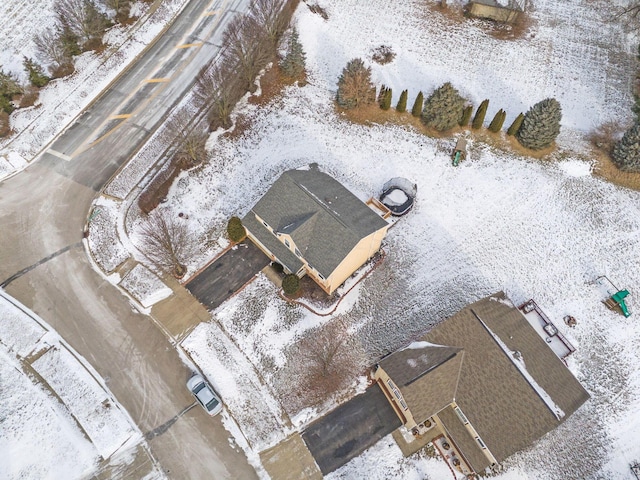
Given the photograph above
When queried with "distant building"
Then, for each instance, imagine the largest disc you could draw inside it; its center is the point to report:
(312, 225)
(506, 11)
(482, 385)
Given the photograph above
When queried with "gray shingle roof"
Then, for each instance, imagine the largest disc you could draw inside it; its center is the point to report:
(266, 238)
(426, 374)
(324, 219)
(498, 400)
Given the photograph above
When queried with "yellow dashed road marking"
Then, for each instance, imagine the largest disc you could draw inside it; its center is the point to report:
(210, 14)
(119, 117)
(189, 45)
(157, 80)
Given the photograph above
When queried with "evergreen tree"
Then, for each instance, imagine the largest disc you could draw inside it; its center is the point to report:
(478, 120)
(541, 125)
(401, 107)
(69, 40)
(37, 77)
(416, 111)
(354, 85)
(386, 99)
(293, 63)
(381, 94)
(498, 121)
(626, 153)
(9, 88)
(443, 109)
(515, 126)
(466, 115)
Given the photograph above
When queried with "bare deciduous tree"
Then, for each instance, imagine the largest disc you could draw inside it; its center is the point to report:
(165, 241)
(83, 18)
(271, 14)
(218, 88)
(247, 47)
(189, 139)
(330, 359)
(49, 49)
(121, 7)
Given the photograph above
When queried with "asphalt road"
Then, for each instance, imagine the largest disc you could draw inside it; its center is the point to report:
(350, 429)
(42, 214)
(227, 274)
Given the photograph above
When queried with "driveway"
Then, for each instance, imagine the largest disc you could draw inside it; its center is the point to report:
(227, 274)
(350, 429)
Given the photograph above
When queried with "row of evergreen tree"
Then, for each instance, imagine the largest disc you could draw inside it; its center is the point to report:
(446, 109)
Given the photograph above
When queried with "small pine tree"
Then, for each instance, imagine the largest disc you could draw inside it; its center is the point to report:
(478, 120)
(354, 85)
(443, 109)
(37, 77)
(69, 40)
(380, 99)
(236, 230)
(626, 153)
(294, 61)
(466, 115)
(541, 125)
(386, 99)
(515, 126)
(401, 107)
(416, 111)
(498, 121)
(290, 284)
(9, 88)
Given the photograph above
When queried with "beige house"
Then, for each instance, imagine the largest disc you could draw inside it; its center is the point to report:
(482, 385)
(312, 225)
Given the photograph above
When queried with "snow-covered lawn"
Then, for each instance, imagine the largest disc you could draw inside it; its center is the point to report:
(58, 418)
(535, 229)
(145, 286)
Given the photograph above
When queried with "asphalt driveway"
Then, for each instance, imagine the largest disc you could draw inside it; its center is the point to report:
(350, 429)
(227, 274)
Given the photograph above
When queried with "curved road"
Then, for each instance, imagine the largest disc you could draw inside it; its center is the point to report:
(43, 264)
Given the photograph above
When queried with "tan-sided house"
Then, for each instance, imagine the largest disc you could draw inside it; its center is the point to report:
(483, 381)
(308, 222)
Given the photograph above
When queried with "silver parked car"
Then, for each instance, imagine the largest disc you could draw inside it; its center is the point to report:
(204, 394)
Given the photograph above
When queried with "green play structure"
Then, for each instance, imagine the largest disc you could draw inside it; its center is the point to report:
(615, 297)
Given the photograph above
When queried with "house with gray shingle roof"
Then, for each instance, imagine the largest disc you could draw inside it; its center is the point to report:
(312, 225)
(484, 382)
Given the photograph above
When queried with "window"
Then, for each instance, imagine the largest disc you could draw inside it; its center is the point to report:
(461, 415)
(265, 224)
(480, 442)
(286, 242)
(298, 253)
(321, 277)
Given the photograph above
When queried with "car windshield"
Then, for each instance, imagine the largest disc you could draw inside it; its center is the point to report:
(205, 395)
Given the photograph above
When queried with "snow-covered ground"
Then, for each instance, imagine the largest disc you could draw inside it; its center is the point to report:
(535, 229)
(499, 221)
(59, 420)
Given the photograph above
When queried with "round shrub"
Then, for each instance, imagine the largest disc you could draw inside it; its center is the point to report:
(235, 230)
(290, 284)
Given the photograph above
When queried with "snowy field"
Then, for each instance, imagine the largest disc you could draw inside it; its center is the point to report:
(58, 418)
(535, 229)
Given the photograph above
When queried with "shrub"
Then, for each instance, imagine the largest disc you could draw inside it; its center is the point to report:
(626, 153)
(605, 136)
(541, 125)
(63, 70)
(29, 97)
(443, 109)
(466, 115)
(383, 55)
(236, 230)
(5, 125)
(380, 97)
(515, 126)
(478, 120)
(354, 85)
(401, 107)
(498, 120)
(277, 267)
(416, 111)
(386, 99)
(290, 284)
